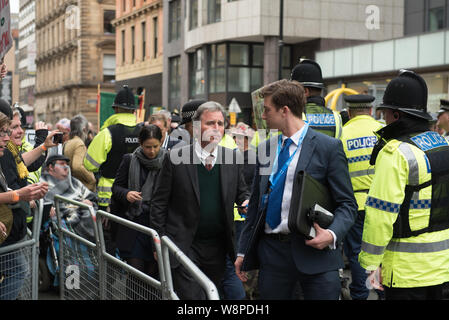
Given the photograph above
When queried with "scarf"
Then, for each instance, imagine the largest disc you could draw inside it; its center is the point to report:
(404, 126)
(21, 168)
(139, 159)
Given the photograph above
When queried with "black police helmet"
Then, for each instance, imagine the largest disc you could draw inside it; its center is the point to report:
(308, 73)
(407, 93)
(125, 99)
(189, 109)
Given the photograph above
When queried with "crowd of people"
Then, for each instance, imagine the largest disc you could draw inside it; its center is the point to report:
(225, 197)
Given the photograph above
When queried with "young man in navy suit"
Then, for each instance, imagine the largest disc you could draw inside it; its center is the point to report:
(282, 257)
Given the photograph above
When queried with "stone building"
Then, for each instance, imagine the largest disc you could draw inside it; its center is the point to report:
(75, 52)
(139, 42)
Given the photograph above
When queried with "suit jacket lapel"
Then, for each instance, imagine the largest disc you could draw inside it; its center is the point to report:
(193, 172)
(307, 148)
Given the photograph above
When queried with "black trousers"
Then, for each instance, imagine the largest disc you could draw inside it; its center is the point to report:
(211, 261)
(421, 293)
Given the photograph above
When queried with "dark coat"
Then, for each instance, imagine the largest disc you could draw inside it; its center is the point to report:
(125, 237)
(21, 209)
(175, 206)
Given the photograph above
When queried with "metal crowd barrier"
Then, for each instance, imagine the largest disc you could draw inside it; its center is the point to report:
(105, 277)
(116, 275)
(19, 264)
(208, 286)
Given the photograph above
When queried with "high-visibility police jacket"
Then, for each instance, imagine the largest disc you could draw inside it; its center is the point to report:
(405, 194)
(323, 119)
(358, 140)
(98, 151)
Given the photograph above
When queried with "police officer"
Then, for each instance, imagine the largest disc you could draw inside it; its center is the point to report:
(443, 117)
(406, 227)
(358, 141)
(106, 150)
(320, 118)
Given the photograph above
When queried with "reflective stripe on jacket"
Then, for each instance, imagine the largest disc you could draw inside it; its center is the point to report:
(358, 140)
(416, 261)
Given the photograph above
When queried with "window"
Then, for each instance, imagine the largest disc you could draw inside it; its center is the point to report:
(144, 43)
(123, 47)
(108, 68)
(174, 20)
(286, 62)
(196, 73)
(213, 11)
(436, 17)
(124, 6)
(193, 18)
(174, 78)
(155, 38)
(133, 45)
(245, 67)
(217, 68)
(108, 16)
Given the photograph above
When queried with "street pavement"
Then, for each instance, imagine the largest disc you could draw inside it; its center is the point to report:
(53, 294)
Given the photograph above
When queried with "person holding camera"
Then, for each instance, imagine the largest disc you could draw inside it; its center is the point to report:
(283, 257)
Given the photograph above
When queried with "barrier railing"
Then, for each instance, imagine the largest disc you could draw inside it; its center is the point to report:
(145, 287)
(208, 286)
(87, 271)
(19, 278)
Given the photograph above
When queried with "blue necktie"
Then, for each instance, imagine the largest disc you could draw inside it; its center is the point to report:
(275, 197)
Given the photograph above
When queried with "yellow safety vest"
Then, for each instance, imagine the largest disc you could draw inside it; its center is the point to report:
(358, 140)
(415, 261)
(97, 154)
(228, 142)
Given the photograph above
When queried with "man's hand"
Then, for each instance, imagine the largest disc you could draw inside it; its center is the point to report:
(40, 125)
(241, 274)
(244, 204)
(374, 280)
(322, 239)
(52, 212)
(33, 191)
(133, 196)
(88, 202)
(48, 143)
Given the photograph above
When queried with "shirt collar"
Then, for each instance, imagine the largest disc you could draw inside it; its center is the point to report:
(164, 145)
(295, 137)
(203, 154)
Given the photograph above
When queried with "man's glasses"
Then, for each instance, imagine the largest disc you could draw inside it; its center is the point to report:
(5, 133)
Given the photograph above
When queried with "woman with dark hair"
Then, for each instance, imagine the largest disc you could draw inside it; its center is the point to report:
(131, 194)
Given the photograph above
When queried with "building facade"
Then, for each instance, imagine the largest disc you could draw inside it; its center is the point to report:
(9, 86)
(26, 57)
(424, 48)
(139, 48)
(224, 49)
(75, 53)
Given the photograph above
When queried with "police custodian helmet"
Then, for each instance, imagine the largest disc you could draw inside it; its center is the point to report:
(308, 73)
(407, 93)
(125, 99)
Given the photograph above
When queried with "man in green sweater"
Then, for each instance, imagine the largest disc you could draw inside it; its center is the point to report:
(194, 198)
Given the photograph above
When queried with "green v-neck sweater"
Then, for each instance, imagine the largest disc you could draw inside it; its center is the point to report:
(211, 225)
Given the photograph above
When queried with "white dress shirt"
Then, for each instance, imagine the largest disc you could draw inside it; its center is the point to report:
(203, 154)
(288, 188)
